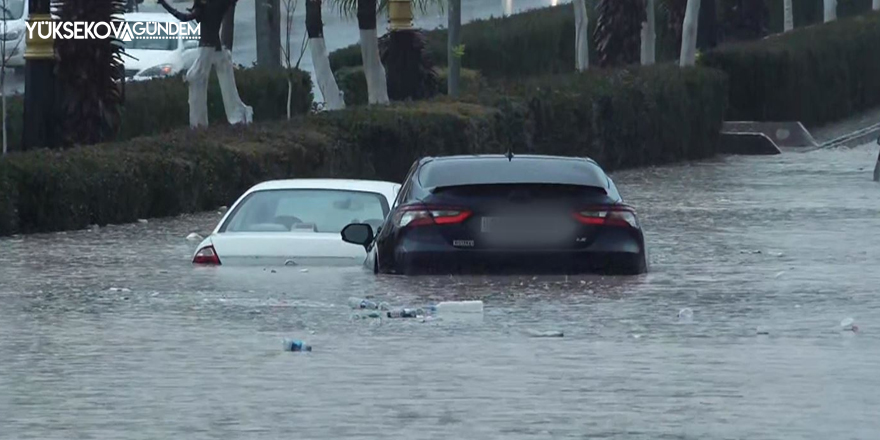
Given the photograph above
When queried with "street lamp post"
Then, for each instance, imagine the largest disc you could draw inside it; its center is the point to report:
(39, 94)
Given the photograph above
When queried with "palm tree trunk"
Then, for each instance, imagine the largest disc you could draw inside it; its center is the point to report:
(323, 73)
(789, 15)
(453, 59)
(830, 10)
(377, 87)
(649, 35)
(3, 92)
(581, 35)
(689, 34)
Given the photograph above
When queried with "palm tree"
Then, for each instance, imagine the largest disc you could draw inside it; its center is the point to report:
(333, 99)
(581, 38)
(89, 73)
(789, 15)
(618, 31)
(830, 10)
(410, 72)
(649, 34)
(689, 33)
(377, 85)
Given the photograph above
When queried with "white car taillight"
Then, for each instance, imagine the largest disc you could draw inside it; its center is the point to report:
(207, 256)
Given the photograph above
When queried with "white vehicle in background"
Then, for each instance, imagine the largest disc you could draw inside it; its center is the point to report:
(292, 222)
(155, 58)
(14, 36)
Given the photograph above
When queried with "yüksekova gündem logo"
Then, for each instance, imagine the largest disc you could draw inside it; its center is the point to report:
(120, 30)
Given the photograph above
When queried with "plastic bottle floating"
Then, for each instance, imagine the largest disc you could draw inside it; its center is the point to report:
(849, 325)
(366, 304)
(296, 346)
(685, 315)
(405, 313)
(456, 307)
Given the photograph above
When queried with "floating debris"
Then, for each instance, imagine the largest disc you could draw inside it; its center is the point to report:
(296, 346)
(118, 289)
(848, 325)
(762, 331)
(304, 271)
(194, 237)
(290, 263)
(222, 209)
(546, 334)
(143, 221)
(685, 315)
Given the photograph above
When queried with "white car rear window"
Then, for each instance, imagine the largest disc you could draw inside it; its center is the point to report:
(306, 210)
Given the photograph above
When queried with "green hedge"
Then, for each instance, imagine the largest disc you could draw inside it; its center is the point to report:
(620, 118)
(160, 105)
(541, 41)
(815, 75)
(353, 83)
(535, 42)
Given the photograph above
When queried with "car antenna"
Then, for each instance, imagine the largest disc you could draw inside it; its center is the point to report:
(509, 155)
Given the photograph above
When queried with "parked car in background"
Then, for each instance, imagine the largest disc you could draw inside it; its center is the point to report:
(15, 16)
(292, 222)
(156, 58)
(522, 214)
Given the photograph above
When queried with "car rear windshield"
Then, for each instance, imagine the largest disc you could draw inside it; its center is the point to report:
(494, 171)
(306, 210)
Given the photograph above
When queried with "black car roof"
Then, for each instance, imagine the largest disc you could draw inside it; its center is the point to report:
(446, 171)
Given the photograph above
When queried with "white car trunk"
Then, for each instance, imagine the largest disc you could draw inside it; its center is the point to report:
(280, 248)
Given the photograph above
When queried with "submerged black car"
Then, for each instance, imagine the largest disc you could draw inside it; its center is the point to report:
(505, 214)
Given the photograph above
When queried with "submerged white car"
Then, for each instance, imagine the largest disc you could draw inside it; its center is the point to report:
(293, 222)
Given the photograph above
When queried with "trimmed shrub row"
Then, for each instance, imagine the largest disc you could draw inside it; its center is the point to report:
(536, 42)
(621, 119)
(815, 75)
(353, 83)
(541, 41)
(161, 105)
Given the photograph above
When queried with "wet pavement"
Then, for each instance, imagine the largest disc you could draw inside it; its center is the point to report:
(787, 244)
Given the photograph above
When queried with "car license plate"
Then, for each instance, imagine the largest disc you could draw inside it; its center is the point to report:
(518, 224)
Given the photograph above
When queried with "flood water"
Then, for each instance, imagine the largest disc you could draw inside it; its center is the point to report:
(789, 244)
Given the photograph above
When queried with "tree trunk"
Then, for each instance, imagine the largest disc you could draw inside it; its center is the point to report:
(377, 87)
(323, 74)
(707, 24)
(227, 29)
(3, 91)
(789, 15)
(267, 18)
(581, 35)
(649, 35)
(877, 5)
(689, 33)
(453, 75)
(830, 10)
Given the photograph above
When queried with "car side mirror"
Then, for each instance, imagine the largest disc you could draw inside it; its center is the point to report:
(358, 233)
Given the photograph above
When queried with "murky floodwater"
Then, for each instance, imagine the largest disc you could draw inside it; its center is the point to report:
(196, 353)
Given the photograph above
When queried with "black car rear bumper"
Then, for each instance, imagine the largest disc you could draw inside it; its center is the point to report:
(511, 262)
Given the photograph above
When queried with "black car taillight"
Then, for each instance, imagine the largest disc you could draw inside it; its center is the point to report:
(421, 215)
(611, 215)
(207, 256)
